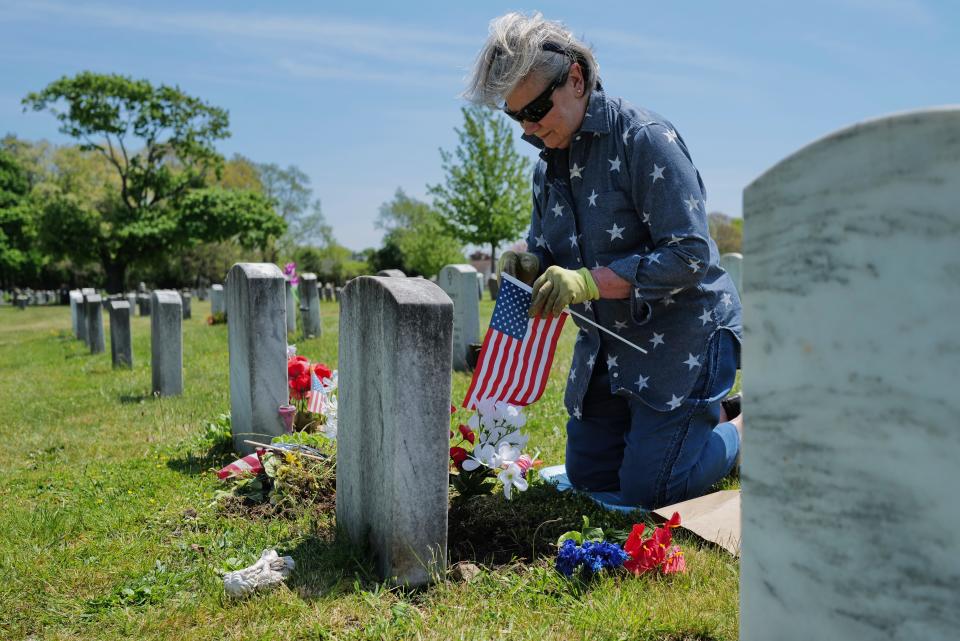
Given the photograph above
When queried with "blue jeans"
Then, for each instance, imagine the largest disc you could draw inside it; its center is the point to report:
(625, 453)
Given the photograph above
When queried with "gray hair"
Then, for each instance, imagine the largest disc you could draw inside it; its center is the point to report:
(523, 45)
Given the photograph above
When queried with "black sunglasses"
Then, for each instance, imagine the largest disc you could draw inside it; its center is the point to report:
(536, 109)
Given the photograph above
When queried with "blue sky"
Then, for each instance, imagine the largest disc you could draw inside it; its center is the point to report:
(361, 95)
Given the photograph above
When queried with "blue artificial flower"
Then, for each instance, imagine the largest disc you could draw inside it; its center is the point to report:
(569, 557)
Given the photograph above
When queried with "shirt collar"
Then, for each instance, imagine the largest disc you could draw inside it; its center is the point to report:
(595, 119)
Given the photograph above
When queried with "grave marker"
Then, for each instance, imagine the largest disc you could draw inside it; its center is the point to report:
(121, 346)
(166, 342)
(460, 284)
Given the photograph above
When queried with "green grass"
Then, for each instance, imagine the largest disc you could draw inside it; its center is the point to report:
(108, 528)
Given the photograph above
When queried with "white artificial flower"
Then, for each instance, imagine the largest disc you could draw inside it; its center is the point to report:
(505, 455)
(291, 350)
(512, 477)
(473, 422)
(482, 455)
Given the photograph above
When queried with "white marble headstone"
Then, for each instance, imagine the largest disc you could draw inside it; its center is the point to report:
(460, 284)
(851, 521)
(732, 263)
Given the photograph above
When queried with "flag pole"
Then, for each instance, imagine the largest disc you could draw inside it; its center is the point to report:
(567, 310)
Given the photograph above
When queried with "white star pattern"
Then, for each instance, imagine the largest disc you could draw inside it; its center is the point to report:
(726, 299)
(558, 210)
(575, 172)
(614, 164)
(646, 217)
(591, 360)
(675, 401)
(641, 382)
(636, 292)
(596, 264)
(676, 291)
(593, 197)
(615, 232)
(671, 135)
(573, 374)
(694, 265)
(692, 362)
(654, 257)
(573, 240)
(618, 325)
(692, 203)
(657, 339)
(674, 239)
(657, 173)
(541, 241)
(706, 316)
(626, 135)
(576, 413)
(611, 361)
(668, 301)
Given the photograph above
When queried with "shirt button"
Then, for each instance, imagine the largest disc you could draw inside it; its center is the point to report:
(616, 374)
(577, 138)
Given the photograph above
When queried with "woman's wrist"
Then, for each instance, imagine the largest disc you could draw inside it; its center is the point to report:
(610, 284)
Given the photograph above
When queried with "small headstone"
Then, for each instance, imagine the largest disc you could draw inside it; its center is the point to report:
(460, 284)
(166, 342)
(328, 292)
(22, 301)
(851, 364)
(186, 297)
(217, 302)
(391, 273)
(480, 284)
(121, 345)
(336, 293)
(82, 319)
(493, 284)
(291, 307)
(310, 304)
(94, 312)
(732, 263)
(257, 335)
(87, 291)
(132, 299)
(143, 304)
(394, 412)
(76, 299)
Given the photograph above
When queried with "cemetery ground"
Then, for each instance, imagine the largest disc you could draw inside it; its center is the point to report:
(109, 527)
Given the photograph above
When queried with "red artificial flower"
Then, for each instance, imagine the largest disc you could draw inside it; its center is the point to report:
(453, 409)
(467, 433)
(322, 371)
(525, 463)
(297, 366)
(655, 552)
(459, 455)
(675, 562)
(673, 522)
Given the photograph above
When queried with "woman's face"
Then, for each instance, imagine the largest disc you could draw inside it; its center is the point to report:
(558, 126)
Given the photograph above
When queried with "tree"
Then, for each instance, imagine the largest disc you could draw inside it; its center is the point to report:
(486, 196)
(292, 195)
(727, 232)
(160, 144)
(18, 254)
(417, 231)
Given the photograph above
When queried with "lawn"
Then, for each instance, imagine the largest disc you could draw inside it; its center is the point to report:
(109, 528)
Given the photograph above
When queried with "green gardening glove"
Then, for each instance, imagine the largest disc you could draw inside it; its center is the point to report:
(558, 287)
(523, 266)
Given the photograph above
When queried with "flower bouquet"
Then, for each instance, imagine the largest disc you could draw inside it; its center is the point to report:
(306, 381)
(488, 448)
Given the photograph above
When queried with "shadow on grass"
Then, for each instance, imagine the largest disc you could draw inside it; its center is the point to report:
(192, 462)
(493, 531)
(131, 399)
(329, 566)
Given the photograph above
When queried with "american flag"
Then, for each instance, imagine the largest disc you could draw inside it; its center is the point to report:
(517, 351)
(316, 397)
(248, 465)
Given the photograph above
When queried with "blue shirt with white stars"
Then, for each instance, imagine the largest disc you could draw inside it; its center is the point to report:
(626, 195)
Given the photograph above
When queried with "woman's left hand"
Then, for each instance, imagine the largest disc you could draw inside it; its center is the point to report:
(609, 284)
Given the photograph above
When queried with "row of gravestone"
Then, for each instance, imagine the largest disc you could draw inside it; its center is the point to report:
(166, 311)
(29, 297)
(850, 290)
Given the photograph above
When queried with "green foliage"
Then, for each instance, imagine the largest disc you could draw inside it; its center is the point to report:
(332, 263)
(19, 257)
(585, 533)
(485, 199)
(417, 236)
(159, 144)
(727, 232)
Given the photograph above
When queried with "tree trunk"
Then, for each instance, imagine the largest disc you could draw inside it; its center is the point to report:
(116, 276)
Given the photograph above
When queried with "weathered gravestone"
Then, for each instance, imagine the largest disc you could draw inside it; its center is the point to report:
(291, 307)
(460, 284)
(391, 273)
(336, 293)
(480, 284)
(257, 335)
(310, 305)
(850, 509)
(394, 412)
(82, 319)
(493, 284)
(732, 263)
(121, 346)
(76, 300)
(166, 342)
(186, 299)
(328, 292)
(217, 304)
(143, 304)
(94, 318)
(132, 299)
